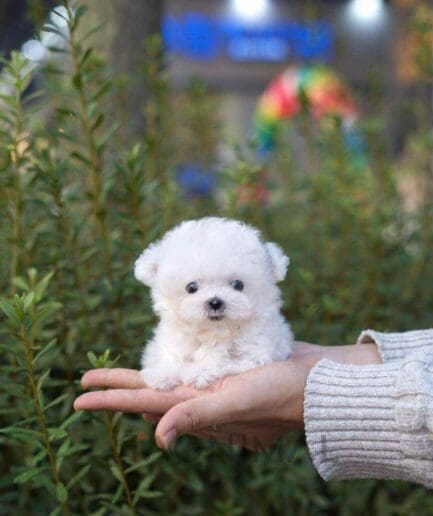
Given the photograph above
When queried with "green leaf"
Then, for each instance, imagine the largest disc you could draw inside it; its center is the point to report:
(42, 379)
(31, 97)
(145, 462)
(105, 88)
(66, 449)
(81, 473)
(91, 357)
(17, 429)
(47, 310)
(10, 349)
(98, 122)
(21, 283)
(63, 450)
(71, 419)
(28, 475)
(10, 100)
(77, 448)
(86, 56)
(57, 50)
(80, 157)
(77, 82)
(57, 433)
(8, 308)
(54, 30)
(56, 401)
(117, 494)
(66, 112)
(116, 473)
(28, 301)
(105, 138)
(92, 31)
(39, 456)
(142, 490)
(14, 389)
(147, 494)
(78, 13)
(32, 274)
(57, 12)
(31, 437)
(61, 492)
(46, 349)
(43, 285)
(47, 482)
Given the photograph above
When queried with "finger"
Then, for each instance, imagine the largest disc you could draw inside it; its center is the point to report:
(192, 415)
(115, 378)
(134, 400)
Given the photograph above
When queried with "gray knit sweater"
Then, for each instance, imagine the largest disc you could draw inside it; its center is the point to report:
(374, 421)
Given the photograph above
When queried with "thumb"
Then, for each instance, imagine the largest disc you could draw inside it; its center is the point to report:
(193, 414)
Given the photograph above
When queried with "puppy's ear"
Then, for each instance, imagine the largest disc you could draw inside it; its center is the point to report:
(146, 265)
(279, 261)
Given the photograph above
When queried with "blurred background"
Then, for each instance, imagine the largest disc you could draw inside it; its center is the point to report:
(311, 120)
(236, 47)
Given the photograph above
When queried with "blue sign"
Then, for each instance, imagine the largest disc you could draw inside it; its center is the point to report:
(201, 37)
(194, 36)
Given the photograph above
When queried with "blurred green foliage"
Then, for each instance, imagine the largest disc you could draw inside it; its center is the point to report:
(78, 204)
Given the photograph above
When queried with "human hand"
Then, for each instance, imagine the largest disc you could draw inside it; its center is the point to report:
(252, 409)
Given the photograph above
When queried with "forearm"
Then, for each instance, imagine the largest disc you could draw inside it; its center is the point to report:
(357, 355)
(310, 354)
(371, 421)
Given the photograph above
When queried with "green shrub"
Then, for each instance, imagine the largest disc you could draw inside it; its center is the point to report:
(78, 204)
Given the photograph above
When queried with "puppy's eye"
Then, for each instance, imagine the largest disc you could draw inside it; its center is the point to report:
(237, 284)
(191, 287)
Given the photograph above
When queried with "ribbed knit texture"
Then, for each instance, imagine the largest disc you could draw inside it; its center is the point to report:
(396, 346)
(373, 421)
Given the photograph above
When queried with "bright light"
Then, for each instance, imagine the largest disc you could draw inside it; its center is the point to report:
(366, 12)
(33, 50)
(250, 10)
(59, 16)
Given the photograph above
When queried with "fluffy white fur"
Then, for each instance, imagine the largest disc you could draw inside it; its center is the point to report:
(192, 343)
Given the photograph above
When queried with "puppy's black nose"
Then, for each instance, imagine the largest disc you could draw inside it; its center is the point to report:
(215, 303)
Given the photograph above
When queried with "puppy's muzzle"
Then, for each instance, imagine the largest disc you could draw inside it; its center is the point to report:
(215, 308)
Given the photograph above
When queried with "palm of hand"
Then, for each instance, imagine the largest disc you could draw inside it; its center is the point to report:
(252, 409)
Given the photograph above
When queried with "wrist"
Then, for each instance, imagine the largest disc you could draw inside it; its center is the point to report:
(366, 354)
(352, 354)
(310, 354)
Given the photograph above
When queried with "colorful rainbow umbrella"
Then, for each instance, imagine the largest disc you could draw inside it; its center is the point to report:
(317, 89)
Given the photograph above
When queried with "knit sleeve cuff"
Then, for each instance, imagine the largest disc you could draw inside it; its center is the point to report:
(396, 346)
(352, 424)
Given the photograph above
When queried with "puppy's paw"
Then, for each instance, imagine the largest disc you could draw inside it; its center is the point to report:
(201, 383)
(203, 380)
(159, 380)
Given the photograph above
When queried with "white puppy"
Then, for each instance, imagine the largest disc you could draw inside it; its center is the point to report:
(213, 285)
